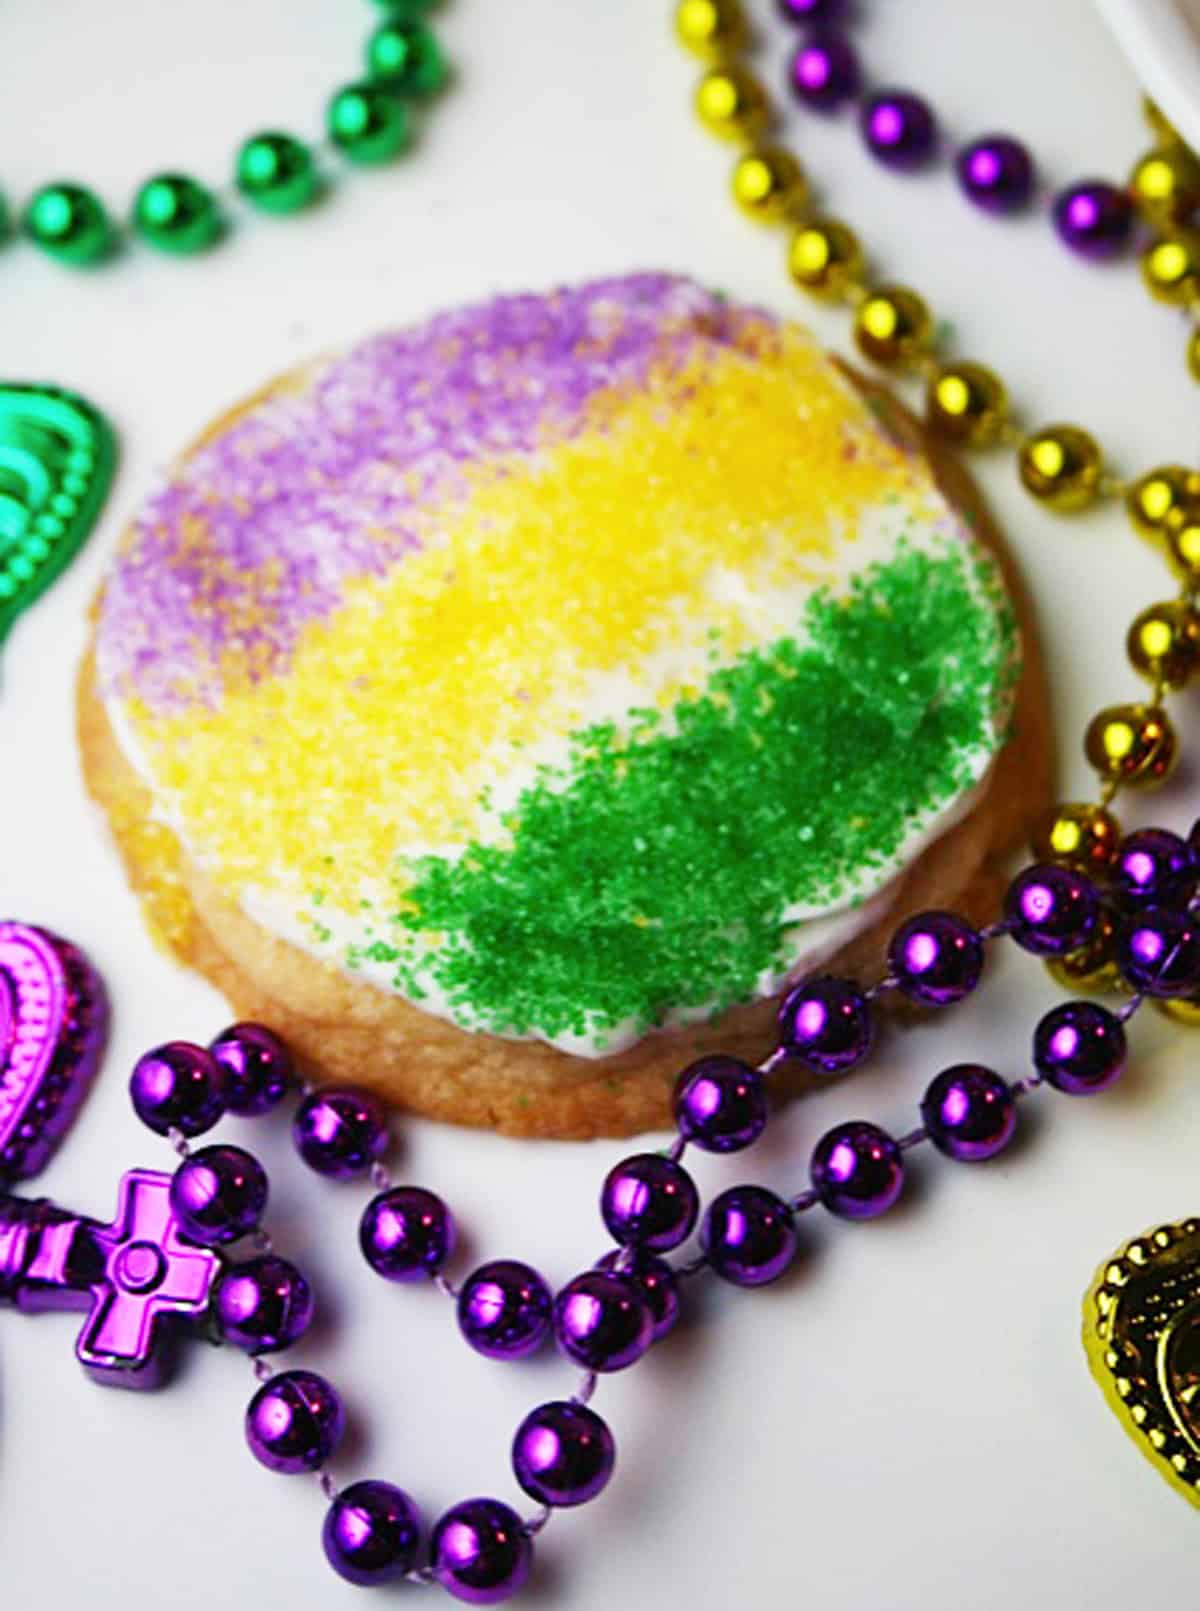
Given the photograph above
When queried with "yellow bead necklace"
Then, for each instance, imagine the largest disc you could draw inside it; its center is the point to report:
(966, 403)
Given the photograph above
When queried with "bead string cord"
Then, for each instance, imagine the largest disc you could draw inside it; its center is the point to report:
(368, 122)
(1093, 217)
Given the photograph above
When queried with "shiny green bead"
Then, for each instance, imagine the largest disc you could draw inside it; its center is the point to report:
(276, 172)
(176, 214)
(407, 57)
(406, 10)
(69, 223)
(367, 123)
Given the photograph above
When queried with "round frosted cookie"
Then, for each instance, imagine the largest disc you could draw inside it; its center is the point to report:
(506, 709)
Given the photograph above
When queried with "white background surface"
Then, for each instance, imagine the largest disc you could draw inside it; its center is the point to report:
(907, 1421)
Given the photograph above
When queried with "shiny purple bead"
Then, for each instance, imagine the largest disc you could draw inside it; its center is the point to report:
(481, 1552)
(371, 1533)
(899, 128)
(219, 1194)
(826, 1023)
(406, 1233)
(1094, 219)
(1153, 867)
(996, 173)
(601, 1322)
(1158, 951)
(263, 1304)
(720, 1104)
(824, 71)
(810, 11)
(563, 1454)
(294, 1422)
(1079, 1047)
(649, 1201)
(857, 1170)
(504, 1309)
(178, 1086)
(749, 1236)
(1051, 910)
(655, 1280)
(340, 1131)
(936, 958)
(969, 1112)
(258, 1068)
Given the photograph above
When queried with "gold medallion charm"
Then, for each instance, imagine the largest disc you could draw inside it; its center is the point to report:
(1141, 1331)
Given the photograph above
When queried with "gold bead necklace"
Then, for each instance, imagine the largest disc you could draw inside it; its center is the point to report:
(966, 403)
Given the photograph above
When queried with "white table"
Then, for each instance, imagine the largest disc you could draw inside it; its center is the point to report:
(908, 1422)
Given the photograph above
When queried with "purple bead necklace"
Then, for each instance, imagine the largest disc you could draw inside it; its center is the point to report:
(996, 172)
(161, 1267)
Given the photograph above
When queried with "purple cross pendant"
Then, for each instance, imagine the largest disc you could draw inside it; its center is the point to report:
(139, 1280)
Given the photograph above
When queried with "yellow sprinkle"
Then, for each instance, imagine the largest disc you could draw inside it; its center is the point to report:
(589, 558)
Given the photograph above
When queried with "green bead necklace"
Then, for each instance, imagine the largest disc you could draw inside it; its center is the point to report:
(367, 122)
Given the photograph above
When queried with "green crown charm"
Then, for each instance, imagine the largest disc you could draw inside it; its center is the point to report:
(57, 454)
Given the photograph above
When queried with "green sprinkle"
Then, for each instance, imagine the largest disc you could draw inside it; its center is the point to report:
(655, 871)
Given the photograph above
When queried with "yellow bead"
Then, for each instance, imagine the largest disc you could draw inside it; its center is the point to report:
(1160, 494)
(1171, 270)
(1061, 466)
(825, 258)
(1164, 643)
(769, 185)
(967, 403)
(1166, 183)
(1182, 532)
(1078, 835)
(731, 103)
(1180, 1009)
(1132, 744)
(892, 325)
(1093, 968)
(710, 29)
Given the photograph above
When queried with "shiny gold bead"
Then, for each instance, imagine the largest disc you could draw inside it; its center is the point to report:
(892, 325)
(1171, 269)
(1078, 835)
(769, 184)
(1193, 353)
(1182, 533)
(1061, 466)
(732, 103)
(1093, 968)
(967, 403)
(825, 258)
(1180, 1009)
(710, 29)
(1160, 494)
(1164, 643)
(1166, 183)
(1132, 744)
